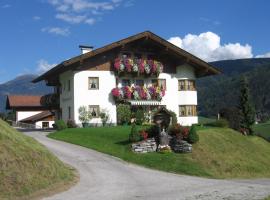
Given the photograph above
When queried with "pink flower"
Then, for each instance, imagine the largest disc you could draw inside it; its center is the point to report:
(141, 65)
(115, 92)
(128, 65)
(128, 92)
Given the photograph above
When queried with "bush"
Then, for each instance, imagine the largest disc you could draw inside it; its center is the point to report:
(222, 123)
(71, 124)
(193, 137)
(134, 135)
(123, 113)
(178, 131)
(60, 125)
(232, 115)
(174, 117)
(143, 134)
(153, 131)
(104, 117)
(139, 115)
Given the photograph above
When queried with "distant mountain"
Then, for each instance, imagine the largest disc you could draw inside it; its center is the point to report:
(217, 92)
(22, 85)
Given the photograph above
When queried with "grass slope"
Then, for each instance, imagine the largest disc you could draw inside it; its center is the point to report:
(26, 167)
(220, 153)
(263, 130)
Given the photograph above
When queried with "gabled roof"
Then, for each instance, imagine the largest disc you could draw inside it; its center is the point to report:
(38, 117)
(23, 101)
(65, 65)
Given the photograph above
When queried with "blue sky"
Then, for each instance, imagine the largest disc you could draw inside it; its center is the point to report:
(36, 34)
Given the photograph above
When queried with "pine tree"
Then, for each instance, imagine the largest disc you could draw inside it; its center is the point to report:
(247, 112)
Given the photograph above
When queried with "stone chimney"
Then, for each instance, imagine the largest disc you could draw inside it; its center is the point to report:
(85, 49)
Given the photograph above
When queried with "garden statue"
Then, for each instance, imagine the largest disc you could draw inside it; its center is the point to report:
(163, 139)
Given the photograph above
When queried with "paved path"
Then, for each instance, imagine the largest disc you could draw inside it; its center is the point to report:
(103, 177)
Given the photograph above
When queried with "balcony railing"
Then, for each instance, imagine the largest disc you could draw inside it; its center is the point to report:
(138, 93)
(50, 101)
(137, 67)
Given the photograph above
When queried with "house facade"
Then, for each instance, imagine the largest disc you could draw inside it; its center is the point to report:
(143, 70)
(30, 110)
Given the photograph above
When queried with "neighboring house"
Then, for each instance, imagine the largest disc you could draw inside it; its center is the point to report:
(30, 110)
(143, 70)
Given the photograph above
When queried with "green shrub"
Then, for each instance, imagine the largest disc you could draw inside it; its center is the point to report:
(193, 137)
(134, 135)
(139, 115)
(174, 117)
(123, 113)
(60, 125)
(71, 124)
(104, 117)
(232, 114)
(153, 131)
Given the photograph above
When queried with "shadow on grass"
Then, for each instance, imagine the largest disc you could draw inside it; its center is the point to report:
(124, 142)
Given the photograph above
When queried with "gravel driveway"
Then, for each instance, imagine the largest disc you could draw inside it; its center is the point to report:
(103, 177)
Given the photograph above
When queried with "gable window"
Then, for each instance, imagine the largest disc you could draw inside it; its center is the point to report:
(139, 82)
(126, 82)
(187, 110)
(159, 83)
(94, 110)
(186, 85)
(93, 83)
(68, 85)
(69, 112)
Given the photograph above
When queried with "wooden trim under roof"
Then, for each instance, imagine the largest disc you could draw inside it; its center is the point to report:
(70, 64)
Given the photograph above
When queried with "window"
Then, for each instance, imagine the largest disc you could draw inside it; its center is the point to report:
(126, 82)
(69, 112)
(160, 83)
(186, 85)
(139, 82)
(181, 85)
(45, 124)
(187, 110)
(68, 85)
(94, 110)
(93, 83)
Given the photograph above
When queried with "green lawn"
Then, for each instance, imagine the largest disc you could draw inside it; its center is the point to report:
(27, 167)
(263, 130)
(220, 153)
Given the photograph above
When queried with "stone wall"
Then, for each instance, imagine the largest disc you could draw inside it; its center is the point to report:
(148, 145)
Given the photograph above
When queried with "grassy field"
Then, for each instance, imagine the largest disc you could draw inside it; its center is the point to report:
(220, 153)
(263, 130)
(26, 167)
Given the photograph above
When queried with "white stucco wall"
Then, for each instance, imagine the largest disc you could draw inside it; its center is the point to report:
(39, 124)
(102, 97)
(173, 98)
(25, 114)
(67, 97)
(80, 95)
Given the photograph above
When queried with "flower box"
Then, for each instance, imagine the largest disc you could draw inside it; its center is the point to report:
(137, 67)
(138, 93)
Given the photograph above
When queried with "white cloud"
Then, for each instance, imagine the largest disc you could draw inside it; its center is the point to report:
(6, 6)
(90, 21)
(82, 11)
(36, 18)
(266, 55)
(56, 31)
(207, 46)
(71, 18)
(43, 66)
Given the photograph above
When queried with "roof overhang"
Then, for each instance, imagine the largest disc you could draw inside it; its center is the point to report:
(52, 75)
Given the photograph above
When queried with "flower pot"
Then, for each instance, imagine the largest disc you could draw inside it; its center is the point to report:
(85, 125)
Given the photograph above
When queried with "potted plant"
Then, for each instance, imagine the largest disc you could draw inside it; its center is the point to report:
(104, 115)
(84, 116)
